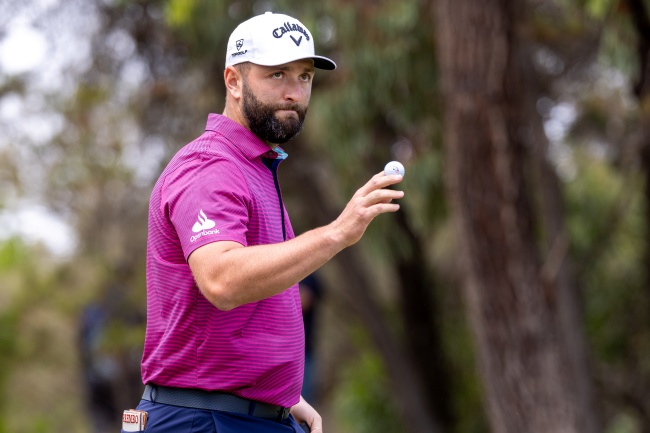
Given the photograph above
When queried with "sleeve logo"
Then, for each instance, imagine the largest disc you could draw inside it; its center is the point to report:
(204, 223)
(203, 226)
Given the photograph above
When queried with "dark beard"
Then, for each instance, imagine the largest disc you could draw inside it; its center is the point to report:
(263, 123)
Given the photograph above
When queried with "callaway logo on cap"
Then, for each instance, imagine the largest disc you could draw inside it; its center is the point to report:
(273, 39)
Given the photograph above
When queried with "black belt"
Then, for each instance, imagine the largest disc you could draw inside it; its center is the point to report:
(199, 399)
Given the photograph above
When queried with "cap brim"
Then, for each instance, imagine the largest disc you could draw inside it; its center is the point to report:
(320, 62)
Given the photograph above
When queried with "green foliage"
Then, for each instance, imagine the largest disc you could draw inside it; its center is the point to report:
(614, 297)
(593, 192)
(624, 423)
(37, 356)
(179, 12)
(12, 254)
(617, 46)
(14, 259)
(599, 8)
(459, 348)
(364, 400)
(8, 344)
(608, 223)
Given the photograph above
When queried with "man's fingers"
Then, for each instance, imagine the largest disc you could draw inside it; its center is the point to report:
(382, 196)
(316, 425)
(368, 202)
(379, 181)
(374, 203)
(381, 208)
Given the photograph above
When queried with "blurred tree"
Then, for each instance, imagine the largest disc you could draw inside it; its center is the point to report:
(37, 345)
(521, 298)
(629, 381)
(607, 142)
(125, 118)
(97, 171)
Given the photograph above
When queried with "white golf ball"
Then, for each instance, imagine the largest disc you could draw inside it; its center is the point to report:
(394, 167)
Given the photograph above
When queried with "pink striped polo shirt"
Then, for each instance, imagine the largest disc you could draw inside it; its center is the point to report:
(221, 186)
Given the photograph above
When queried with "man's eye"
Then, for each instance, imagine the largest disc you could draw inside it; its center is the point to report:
(277, 75)
(305, 77)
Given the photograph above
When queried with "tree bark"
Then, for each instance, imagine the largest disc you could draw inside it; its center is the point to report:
(531, 357)
(420, 312)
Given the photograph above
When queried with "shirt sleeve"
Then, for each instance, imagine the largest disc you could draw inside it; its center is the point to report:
(207, 201)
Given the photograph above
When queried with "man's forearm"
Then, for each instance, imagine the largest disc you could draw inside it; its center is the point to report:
(241, 275)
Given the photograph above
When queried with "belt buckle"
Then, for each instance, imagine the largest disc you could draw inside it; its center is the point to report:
(284, 413)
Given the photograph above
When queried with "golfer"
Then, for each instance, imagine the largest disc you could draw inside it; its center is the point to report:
(224, 346)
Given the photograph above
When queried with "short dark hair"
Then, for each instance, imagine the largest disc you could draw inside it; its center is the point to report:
(243, 68)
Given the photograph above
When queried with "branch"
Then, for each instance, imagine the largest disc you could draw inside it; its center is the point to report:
(641, 23)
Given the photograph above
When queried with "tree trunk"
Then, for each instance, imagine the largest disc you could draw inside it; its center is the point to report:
(636, 396)
(531, 369)
(420, 312)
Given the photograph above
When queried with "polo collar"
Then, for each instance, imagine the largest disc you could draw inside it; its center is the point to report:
(241, 138)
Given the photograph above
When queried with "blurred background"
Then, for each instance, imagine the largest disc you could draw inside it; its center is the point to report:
(511, 292)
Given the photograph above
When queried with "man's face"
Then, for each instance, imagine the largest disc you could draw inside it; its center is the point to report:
(263, 121)
(275, 100)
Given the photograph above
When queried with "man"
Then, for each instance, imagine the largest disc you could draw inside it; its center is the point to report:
(224, 347)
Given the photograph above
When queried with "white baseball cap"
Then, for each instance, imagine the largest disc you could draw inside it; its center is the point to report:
(273, 39)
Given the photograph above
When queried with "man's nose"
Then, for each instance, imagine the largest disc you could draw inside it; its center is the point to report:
(295, 90)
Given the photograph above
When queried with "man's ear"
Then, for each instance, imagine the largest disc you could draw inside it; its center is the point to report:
(234, 81)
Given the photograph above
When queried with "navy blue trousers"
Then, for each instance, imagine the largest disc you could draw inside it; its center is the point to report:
(165, 418)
